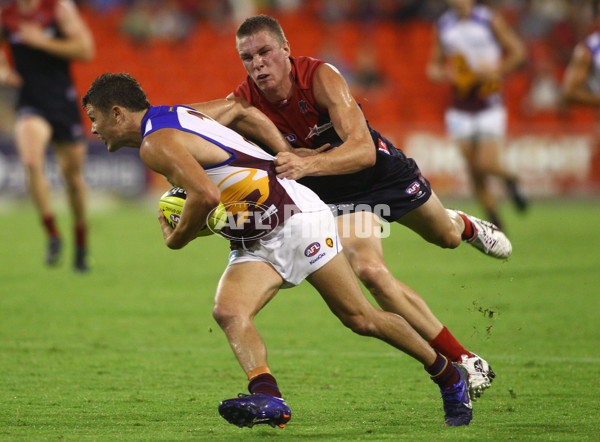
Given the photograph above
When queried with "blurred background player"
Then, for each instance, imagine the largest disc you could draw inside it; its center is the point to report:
(309, 101)
(44, 36)
(581, 82)
(215, 164)
(474, 48)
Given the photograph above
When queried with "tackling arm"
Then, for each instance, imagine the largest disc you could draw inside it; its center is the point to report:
(237, 114)
(164, 152)
(356, 151)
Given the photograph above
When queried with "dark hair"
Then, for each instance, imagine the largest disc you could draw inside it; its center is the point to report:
(259, 23)
(116, 89)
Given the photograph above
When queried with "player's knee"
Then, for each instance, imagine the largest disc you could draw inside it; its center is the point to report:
(374, 276)
(360, 324)
(33, 165)
(225, 315)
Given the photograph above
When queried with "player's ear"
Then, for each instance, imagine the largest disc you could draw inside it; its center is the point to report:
(286, 47)
(117, 113)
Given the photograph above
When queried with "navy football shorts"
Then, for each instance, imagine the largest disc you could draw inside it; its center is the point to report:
(391, 188)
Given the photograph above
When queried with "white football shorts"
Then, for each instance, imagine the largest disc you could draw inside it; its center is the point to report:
(303, 244)
(486, 123)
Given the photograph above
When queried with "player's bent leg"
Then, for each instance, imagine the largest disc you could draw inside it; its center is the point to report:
(432, 223)
(342, 293)
(244, 289)
(365, 255)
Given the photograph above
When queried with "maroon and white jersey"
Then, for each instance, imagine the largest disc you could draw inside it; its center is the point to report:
(256, 200)
(471, 47)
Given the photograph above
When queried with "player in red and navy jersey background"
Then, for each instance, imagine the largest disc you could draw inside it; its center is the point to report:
(44, 37)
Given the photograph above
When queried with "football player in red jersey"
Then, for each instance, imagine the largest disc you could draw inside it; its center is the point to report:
(44, 37)
(358, 171)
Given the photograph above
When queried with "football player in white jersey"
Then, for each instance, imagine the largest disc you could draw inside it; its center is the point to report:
(474, 49)
(203, 157)
(581, 82)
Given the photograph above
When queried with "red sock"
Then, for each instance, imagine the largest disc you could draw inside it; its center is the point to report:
(81, 235)
(447, 345)
(264, 383)
(50, 225)
(442, 372)
(469, 231)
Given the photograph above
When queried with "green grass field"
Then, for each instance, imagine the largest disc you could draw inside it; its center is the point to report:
(131, 352)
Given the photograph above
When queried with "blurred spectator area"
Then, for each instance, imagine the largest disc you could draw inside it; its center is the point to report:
(382, 55)
(183, 52)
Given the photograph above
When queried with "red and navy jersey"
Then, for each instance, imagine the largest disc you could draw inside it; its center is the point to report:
(300, 119)
(45, 76)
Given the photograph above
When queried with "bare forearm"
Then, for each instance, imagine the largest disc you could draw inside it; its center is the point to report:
(193, 218)
(69, 49)
(512, 63)
(255, 125)
(582, 96)
(341, 160)
(245, 119)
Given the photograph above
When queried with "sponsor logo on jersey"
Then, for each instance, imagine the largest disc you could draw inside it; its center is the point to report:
(312, 249)
(413, 188)
(329, 242)
(291, 138)
(382, 146)
(317, 258)
(318, 130)
(174, 217)
(303, 105)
